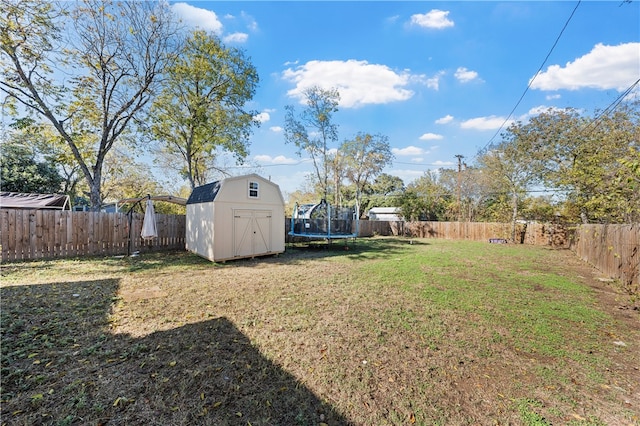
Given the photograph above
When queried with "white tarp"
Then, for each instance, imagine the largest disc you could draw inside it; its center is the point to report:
(149, 229)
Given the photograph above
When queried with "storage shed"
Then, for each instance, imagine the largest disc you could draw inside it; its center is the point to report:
(235, 218)
(391, 214)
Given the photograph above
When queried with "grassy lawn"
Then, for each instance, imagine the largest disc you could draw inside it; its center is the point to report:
(388, 332)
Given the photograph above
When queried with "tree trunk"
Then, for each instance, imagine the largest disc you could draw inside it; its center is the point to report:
(514, 217)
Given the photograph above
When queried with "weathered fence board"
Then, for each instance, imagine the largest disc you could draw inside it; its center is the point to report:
(612, 249)
(43, 234)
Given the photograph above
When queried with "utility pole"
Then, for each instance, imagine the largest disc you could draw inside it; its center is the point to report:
(459, 157)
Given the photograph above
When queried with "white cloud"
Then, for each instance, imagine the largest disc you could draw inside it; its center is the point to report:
(445, 120)
(430, 82)
(279, 159)
(553, 97)
(605, 67)
(262, 117)
(358, 82)
(436, 19)
(276, 129)
(250, 21)
(236, 38)
(464, 75)
(392, 19)
(197, 17)
(430, 137)
(485, 123)
(535, 111)
(408, 151)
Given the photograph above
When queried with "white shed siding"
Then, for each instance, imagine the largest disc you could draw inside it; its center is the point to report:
(200, 230)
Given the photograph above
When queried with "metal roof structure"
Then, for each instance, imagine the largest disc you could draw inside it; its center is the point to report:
(18, 200)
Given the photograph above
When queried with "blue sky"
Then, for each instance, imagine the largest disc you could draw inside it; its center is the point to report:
(437, 78)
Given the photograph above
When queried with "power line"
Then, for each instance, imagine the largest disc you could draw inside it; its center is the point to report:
(612, 106)
(424, 164)
(534, 77)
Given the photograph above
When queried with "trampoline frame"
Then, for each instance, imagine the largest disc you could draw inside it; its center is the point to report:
(306, 222)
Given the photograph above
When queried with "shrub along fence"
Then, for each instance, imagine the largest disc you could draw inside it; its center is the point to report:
(43, 234)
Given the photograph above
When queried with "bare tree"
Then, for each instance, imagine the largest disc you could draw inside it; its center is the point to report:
(313, 130)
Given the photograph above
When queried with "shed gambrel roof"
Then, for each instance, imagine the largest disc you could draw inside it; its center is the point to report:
(205, 193)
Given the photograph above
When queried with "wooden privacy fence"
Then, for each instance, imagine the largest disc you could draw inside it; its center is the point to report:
(535, 234)
(613, 249)
(42, 234)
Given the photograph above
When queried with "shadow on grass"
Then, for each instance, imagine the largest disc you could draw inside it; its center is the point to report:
(62, 365)
(359, 249)
(106, 264)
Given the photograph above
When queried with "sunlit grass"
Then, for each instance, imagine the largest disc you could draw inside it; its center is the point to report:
(384, 330)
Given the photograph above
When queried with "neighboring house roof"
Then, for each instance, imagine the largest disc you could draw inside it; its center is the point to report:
(17, 200)
(205, 193)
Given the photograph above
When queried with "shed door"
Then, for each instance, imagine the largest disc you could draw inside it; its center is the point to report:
(251, 232)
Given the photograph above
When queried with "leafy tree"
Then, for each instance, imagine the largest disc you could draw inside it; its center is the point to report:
(628, 185)
(509, 172)
(581, 156)
(364, 157)
(114, 52)
(299, 197)
(124, 178)
(542, 209)
(412, 205)
(384, 191)
(617, 198)
(20, 171)
(200, 111)
(48, 144)
(387, 186)
(426, 198)
(496, 207)
(467, 192)
(312, 131)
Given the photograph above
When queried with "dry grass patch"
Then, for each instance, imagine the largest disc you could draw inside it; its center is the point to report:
(435, 332)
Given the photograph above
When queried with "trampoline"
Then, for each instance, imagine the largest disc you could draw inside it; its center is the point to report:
(323, 221)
